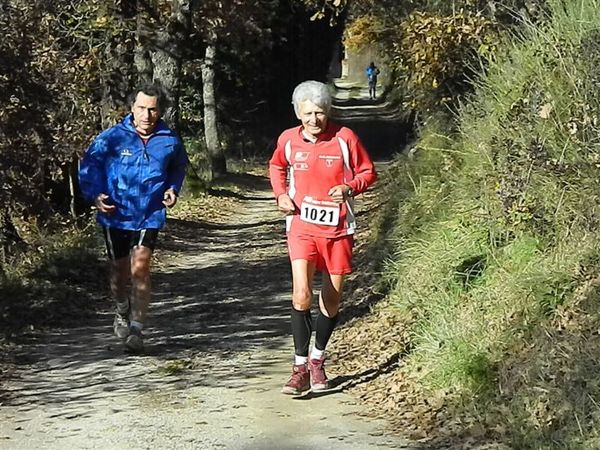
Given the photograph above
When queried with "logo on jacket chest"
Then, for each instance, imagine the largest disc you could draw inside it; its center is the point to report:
(126, 152)
(301, 156)
(330, 159)
(301, 160)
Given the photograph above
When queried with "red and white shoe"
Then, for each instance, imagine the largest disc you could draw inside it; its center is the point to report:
(318, 378)
(299, 381)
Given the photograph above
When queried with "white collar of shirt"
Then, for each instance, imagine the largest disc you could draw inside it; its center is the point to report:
(309, 137)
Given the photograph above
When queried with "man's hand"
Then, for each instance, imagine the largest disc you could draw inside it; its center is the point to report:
(339, 193)
(104, 207)
(285, 204)
(170, 198)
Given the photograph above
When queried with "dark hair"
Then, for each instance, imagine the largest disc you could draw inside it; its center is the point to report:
(372, 64)
(153, 90)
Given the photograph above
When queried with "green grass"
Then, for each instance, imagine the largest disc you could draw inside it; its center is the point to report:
(495, 239)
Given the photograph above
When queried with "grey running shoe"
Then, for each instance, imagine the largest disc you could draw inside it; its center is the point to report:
(121, 325)
(134, 341)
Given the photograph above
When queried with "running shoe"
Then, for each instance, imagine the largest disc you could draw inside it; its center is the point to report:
(121, 325)
(298, 382)
(318, 378)
(134, 341)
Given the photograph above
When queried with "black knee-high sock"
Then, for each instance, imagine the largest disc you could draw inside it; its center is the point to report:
(325, 326)
(301, 330)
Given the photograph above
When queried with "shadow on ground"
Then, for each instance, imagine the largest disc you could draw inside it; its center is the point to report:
(219, 290)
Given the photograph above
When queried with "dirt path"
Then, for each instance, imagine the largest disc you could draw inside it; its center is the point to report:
(218, 351)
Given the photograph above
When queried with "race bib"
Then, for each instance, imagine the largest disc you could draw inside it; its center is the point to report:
(320, 212)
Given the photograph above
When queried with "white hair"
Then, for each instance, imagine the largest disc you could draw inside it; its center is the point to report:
(315, 91)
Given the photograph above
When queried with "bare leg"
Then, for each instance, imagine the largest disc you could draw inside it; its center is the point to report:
(329, 303)
(331, 294)
(119, 278)
(119, 282)
(302, 277)
(141, 258)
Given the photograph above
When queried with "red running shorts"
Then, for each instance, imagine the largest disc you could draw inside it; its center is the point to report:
(333, 256)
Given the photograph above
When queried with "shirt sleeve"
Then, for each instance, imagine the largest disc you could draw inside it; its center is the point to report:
(92, 172)
(278, 166)
(362, 166)
(177, 169)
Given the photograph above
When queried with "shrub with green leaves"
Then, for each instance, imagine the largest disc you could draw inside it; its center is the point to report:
(497, 250)
(437, 55)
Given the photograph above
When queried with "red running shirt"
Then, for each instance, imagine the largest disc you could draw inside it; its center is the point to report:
(306, 171)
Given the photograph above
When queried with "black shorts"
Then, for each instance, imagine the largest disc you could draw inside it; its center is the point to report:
(120, 242)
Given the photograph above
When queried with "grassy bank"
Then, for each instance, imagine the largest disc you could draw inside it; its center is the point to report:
(496, 254)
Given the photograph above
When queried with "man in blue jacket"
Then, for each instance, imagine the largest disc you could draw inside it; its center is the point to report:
(132, 172)
(372, 72)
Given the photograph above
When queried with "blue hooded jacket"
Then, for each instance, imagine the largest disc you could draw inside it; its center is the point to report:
(134, 175)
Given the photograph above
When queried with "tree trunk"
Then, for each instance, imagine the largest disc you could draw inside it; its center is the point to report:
(142, 60)
(77, 205)
(211, 133)
(9, 237)
(157, 55)
(167, 58)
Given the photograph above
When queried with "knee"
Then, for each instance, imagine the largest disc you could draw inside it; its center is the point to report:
(140, 271)
(302, 299)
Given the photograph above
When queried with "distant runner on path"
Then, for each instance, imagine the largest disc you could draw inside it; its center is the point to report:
(327, 166)
(132, 172)
(372, 73)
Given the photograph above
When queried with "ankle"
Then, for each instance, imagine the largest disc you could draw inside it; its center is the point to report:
(136, 324)
(316, 353)
(122, 306)
(300, 360)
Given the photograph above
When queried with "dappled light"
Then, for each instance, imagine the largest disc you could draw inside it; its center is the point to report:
(470, 320)
(219, 321)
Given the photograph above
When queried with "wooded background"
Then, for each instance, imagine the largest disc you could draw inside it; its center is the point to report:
(228, 66)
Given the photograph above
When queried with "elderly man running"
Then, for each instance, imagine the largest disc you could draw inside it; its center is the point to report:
(315, 171)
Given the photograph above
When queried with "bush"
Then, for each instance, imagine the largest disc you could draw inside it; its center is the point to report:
(497, 248)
